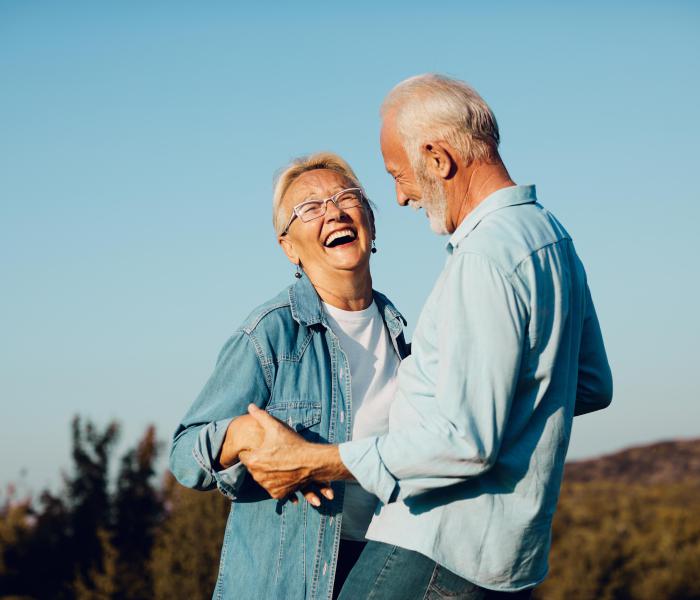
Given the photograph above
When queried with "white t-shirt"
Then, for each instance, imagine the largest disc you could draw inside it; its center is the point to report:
(373, 363)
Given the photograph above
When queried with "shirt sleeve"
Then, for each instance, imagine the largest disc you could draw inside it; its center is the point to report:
(238, 379)
(481, 325)
(595, 387)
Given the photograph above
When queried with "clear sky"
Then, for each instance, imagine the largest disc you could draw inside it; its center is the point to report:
(138, 142)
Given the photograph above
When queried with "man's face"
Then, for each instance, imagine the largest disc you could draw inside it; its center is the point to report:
(417, 189)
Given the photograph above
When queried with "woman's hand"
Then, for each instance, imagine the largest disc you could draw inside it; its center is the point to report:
(243, 434)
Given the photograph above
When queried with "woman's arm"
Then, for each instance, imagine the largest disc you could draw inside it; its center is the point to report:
(238, 379)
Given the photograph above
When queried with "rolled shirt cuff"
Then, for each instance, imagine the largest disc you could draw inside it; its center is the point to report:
(206, 450)
(362, 459)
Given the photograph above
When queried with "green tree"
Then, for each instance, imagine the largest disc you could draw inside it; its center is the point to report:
(52, 542)
(138, 511)
(15, 533)
(88, 493)
(186, 554)
(103, 583)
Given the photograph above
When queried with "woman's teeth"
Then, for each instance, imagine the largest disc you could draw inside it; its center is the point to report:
(336, 235)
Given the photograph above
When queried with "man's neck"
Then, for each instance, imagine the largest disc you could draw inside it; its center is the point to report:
(480, 180)
(348, 290)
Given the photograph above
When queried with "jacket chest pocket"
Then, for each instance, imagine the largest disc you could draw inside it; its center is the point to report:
(299, 415)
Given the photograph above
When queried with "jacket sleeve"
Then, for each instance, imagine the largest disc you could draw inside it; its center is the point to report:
(239, 378)
(595, 387)
(480, 351)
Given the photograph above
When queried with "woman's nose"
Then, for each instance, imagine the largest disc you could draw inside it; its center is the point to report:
(333, 213)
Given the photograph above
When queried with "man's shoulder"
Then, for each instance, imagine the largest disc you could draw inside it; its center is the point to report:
(513, 234)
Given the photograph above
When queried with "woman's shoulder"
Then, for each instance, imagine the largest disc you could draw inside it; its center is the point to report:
(387, 308)
(275, 311)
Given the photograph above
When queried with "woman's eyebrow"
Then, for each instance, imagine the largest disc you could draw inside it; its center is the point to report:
(325, 196)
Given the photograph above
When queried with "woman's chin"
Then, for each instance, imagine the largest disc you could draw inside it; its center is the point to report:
(347, 259)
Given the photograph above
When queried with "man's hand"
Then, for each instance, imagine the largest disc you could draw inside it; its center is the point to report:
(285, 462)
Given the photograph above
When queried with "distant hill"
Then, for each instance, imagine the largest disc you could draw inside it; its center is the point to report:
(627, 527)
(662, 463)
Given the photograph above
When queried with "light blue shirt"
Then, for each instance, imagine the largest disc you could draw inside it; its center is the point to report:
(506, 351)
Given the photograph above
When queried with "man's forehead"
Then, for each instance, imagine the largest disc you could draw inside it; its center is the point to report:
(388, 129)
(392, 149)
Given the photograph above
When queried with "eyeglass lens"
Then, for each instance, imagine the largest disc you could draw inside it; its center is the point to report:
(314, 209)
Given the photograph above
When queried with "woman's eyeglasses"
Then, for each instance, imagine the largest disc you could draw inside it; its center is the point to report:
(314, 209)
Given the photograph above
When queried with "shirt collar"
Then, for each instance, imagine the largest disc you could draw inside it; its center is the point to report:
(508, 196)
(307, 308)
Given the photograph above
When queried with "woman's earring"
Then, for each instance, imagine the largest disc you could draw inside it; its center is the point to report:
(374, 248)
(298, 273)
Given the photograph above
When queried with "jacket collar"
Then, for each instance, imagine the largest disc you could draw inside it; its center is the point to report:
(305, 302)
(307, 308)
(509, 196)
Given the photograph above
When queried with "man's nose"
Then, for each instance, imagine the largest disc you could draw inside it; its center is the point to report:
(401, 197)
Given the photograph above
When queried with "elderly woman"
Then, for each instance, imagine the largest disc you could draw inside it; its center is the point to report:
(322, 357)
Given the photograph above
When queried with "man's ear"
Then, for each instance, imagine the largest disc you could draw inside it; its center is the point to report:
(289, 250)
(439, 159)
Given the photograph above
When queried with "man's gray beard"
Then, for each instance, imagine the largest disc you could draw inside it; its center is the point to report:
(433, 201)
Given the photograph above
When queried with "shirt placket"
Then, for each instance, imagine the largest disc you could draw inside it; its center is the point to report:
(339, 431)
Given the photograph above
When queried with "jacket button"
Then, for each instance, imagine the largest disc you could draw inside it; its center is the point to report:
(342, 416)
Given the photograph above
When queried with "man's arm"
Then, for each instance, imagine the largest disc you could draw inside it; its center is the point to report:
(480, 335)
(594, 389)
(481, 329)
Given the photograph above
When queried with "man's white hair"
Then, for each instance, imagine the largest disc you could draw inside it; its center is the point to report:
(434, 107)
(289, 174)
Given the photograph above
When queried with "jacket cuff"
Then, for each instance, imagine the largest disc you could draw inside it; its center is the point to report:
(206, 450)
(362, 459)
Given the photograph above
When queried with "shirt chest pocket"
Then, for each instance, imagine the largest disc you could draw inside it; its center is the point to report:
(299, 415)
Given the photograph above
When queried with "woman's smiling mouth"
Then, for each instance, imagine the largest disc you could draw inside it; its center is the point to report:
(340, 238)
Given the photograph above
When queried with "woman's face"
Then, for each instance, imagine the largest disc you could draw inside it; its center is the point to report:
(340, 240)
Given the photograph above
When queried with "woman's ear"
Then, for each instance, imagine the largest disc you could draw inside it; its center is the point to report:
(289, 250)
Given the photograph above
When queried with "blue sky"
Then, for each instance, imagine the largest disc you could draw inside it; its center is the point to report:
(138, 143)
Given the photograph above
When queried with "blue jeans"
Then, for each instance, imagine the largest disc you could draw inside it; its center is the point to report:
(385, 572)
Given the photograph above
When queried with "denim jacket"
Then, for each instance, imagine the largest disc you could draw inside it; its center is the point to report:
(286, 359)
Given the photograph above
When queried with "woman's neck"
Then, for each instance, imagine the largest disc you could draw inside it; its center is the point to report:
(347, 290)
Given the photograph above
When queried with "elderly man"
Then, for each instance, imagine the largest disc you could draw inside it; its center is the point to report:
(506, 351)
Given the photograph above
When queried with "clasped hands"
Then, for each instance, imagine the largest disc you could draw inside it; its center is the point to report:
(278, 459)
